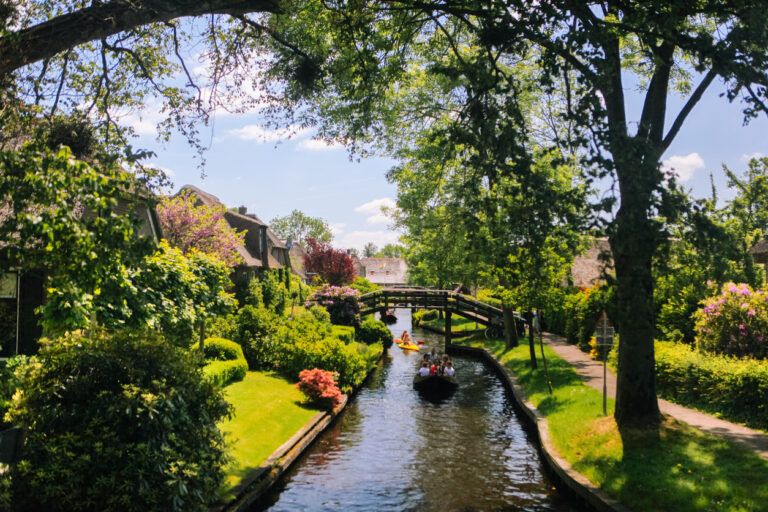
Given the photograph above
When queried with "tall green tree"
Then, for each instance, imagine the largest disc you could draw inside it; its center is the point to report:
(300, 226)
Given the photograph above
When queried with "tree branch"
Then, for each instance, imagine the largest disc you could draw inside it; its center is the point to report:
(105, 19)
(692, 101)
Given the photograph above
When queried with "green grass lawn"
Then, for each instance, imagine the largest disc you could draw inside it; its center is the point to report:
(268, 412)
(685, 470)
(458, 324)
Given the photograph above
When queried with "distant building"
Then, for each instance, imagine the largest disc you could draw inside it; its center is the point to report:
(385, 271)
(590, 267)
(262, 249)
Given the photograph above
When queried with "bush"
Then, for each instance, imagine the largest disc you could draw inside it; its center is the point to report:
(582, 311)
(735, 388)
(255, 329)
(489, 297)
(320, 387)
(9, 383)
(119, 422)
(219, 349)
(426, 315)
(273, 292)
(225, 361)
(340, 301)
(350, 361)
(345, 333)
(734, 322)
(374, 331)
(364, 286)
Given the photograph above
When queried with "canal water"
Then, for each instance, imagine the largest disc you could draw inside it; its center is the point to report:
(394, 450)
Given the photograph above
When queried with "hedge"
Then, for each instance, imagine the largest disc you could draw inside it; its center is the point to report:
(225, 361)
(735, 388)
(345, 333)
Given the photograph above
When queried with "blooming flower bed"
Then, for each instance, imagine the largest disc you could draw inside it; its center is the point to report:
(734, 322)
(340, 301)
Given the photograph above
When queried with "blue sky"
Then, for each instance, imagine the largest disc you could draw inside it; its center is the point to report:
(271, 175)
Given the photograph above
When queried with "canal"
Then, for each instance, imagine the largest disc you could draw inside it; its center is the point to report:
(393, 450)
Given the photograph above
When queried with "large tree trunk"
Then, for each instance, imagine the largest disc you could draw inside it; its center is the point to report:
(510, 326)
(633, 240)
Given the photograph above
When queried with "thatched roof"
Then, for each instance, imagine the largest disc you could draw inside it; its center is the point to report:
(243, 221)
(590, 267)
(760, 251)
(385, 270)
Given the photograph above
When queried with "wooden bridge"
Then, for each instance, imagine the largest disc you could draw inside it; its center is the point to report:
(445, 300)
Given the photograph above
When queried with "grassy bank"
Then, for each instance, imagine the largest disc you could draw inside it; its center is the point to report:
(458, 323)
(686, 470)
(268, 412)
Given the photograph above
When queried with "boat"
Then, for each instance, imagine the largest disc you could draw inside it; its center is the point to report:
(435, 383)
(409, 345)
(389, 317)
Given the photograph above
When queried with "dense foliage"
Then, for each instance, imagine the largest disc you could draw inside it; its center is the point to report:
(104, 411)
(189, 226)
(734, 322)
(9, 383)
(375, 331)
(575, 314)
(340, 301)
(334, 266)
(320, 387)
(224, 361)
(170, 292)
(735, 388)
(364, 286)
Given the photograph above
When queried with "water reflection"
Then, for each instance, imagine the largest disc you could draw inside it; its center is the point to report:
(393, 449)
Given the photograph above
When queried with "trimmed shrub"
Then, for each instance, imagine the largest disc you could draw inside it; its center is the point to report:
(320, 387)
(117, 422)
(375, 331)
(223, 373)
(489, 297)
(735, 388)
(225, 362)
(219, 349)
(255, 329)
(345, 333)
(582, 311)
(734, 322)
(350, 361)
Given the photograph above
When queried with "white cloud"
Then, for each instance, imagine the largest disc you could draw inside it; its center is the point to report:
(746, 158)
(374, 207)
(337, 228)
(145, 121)
(683, 166)
(358, 239)
(318, 145)
(261, 134)
(168, 172)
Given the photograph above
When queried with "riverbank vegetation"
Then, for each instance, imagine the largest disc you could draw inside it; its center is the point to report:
(431, 319)
(684, 471)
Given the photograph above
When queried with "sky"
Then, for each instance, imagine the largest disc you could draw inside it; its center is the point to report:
(272, 175)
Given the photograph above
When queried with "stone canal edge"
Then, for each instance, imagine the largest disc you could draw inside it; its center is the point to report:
(575, 481)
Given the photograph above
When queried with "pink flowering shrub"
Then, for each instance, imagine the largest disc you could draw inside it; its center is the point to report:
(320, 387)
(340, 301)
(734, 322)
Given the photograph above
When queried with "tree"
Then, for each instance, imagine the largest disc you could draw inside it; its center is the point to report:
(203, 228)
(591, 50)
(334, 266)
(391, 251)
(299, 227)
(370, 250)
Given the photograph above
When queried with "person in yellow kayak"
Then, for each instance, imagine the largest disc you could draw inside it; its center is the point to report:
(405, 337)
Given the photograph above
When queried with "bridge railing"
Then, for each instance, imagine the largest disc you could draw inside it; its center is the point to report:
(431, 299)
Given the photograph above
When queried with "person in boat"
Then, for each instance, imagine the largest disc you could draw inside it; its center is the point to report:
(425, 360)
(405, 336)
(424, 370)
(433, 355)
(448, 371)
(434, 368)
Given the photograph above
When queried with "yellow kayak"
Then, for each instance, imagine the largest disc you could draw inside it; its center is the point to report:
(409, 346)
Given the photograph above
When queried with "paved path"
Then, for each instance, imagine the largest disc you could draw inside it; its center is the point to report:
(592, 373)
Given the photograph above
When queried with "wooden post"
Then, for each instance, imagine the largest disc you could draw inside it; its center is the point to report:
(447, 328)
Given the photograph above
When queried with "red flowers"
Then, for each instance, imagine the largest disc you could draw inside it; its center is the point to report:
(320, 387)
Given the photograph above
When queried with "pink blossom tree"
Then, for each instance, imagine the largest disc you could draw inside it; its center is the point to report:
(204, 228)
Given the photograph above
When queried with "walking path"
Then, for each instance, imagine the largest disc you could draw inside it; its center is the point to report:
(592, 373)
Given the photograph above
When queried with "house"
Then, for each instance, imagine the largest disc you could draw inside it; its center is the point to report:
(22, 291)
(262, 248)
(589, 268)
(385, 271)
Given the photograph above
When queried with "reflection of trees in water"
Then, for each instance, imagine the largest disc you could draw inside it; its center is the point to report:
(327, 447)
